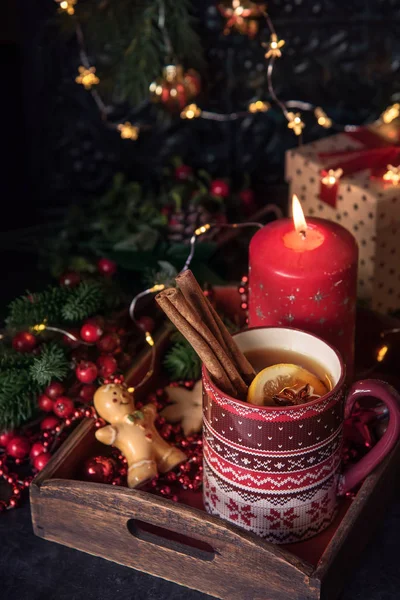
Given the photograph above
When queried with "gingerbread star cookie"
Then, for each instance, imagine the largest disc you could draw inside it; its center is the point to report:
(186, 407)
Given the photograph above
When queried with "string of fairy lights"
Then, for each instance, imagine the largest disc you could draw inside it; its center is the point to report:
(236, 16)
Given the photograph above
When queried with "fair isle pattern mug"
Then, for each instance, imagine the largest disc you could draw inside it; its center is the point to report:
(276, 471)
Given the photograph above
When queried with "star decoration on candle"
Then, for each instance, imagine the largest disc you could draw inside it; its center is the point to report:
(295, 123)
(87, 77)
(392, 112)
(318, 297)
(260, 313)
(274, 47)
(392, 174)
(332, 176)
(67, 6)
(322, 118)
(186, 407)
(289, 318)
(291, 297)
(128, 131)
(192, 111)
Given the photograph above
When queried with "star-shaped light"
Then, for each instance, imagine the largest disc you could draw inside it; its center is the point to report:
(332, 177)
(274, 47)
(186, 407)
(87, 77)
(192, 111)
(295, 122)
(392, 112)
(259, 106)
(392, 174)
(67, 6)
(322, 118)
(128, 131)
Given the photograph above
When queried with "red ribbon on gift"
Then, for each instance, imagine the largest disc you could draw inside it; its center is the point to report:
(375, 156)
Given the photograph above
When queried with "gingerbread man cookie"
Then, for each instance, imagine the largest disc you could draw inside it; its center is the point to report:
(134, 434)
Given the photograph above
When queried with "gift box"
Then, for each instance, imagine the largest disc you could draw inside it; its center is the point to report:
(353, 178)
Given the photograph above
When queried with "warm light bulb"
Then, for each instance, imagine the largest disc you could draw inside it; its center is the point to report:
(392, 174)
(382, 353)
(192, 111)
(392, 112)
(332, 176)
(259, 106)
(300, 224)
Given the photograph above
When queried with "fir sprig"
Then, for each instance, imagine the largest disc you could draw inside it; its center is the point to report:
(56, 305)
(51, 364)
(181, 361)
(84, 300)
(17, 397)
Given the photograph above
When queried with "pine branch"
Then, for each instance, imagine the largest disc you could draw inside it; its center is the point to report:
(17, 398)
(50, 364)
(35, 308)
(56, 305)
(182, 362)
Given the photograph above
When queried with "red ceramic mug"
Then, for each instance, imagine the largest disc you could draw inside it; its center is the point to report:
(276, 471)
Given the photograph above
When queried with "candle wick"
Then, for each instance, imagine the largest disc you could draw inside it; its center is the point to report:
(303, 234)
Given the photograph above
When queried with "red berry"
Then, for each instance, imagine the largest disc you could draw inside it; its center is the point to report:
(36, 449)
(18, 446)
(70, 279)
(54, 390)
(49, 423)
(106, 266)
(183, 172)
(40, 461)
(219, 187)
(109, 343)
(24, 342)
(146, 324)
(45, 403)
(86, 371)
(91, 333)
(107, 365)
(5, 437)
(87, 392)
(64, 407)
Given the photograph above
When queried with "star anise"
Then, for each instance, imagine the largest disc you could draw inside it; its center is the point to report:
(291, 397)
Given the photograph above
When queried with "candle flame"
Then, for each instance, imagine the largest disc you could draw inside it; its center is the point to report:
(300, 224)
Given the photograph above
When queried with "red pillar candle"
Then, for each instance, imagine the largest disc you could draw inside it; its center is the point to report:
(305, 278)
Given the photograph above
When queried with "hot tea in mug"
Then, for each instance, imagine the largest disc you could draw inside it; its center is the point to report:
(277, 470)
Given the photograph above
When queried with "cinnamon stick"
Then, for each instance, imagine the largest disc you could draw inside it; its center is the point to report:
(204, 351)
(194, 295)
(189, 313)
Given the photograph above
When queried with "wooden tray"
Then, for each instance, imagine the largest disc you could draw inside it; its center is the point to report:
(180, 542)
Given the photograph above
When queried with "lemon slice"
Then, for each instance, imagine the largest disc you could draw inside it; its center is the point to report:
(272, 380)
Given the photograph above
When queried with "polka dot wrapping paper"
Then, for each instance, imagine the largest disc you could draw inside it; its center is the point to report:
(362, 202)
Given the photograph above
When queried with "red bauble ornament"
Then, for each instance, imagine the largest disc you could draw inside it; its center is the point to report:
(49, 423)
(109, 343)
(219, 187)
(106, 266)
(146, 324)
(70, 279)
(36, 449)
(54, 390)
(99, 469)
(86, 393)
(45, 403)
(91, 333)
(18, 447)
(41, 461)
(107, 365)
(175, 88)
(5, 437)
(64, 407)
(183, 172)
(24, 342)
(86, 371)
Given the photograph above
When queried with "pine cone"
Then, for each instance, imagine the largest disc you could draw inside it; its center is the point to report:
(182, 224)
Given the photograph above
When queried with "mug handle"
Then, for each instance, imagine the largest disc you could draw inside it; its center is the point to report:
(388, 395)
